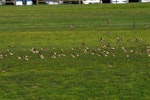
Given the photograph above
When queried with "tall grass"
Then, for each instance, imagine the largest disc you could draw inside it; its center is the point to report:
(97, 64)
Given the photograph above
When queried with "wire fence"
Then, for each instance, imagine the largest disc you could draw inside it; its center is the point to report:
(75, 25)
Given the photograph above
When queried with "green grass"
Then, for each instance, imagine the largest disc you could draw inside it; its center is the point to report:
(94, 74)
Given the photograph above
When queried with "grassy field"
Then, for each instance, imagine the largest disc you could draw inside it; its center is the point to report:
(75, 52)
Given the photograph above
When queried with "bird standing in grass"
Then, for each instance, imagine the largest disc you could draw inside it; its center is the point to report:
(133, 25)
(102, 40)
(42, 56)
(108, 32)
(53, 56)
(72, 27)
(10, 53)
(137, 40)
(1, 56)
(26, 58)
(10, 46)
(108, 21)
(146, 26)
(118, 39)
(73, 55)
(127, 56)
(19, 57)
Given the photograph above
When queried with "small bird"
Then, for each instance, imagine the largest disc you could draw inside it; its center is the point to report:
(85, 50)
(19, 57)
(127, 56)
(92, 53)
(10, 53)
(3, 71)
(118, 39)
(42, 56)
(113, 48)
(131, 51)
(32, 50)
(107, 52)
(148, 47)
(10, 46)
(103, 46)
(108, 21)
(105, 55)
(108, 32)
(26, 58)
(6, 55)
(73, 55)
(148, 54)
(1, 56)
(54, 53)
(72, 49)
(146, 26)
(62, 50)
(102, 40)
(137, 39)
(53, 56)
(148, 50)
(83, 43)
(63, 55)
(72, 27)
(110, 66)
(37, 51)
(133, 25)
(129, 40)
(59, 55)
(113, 55)
(42, 49)
(108, 45)
(123, 48)
(77, 55)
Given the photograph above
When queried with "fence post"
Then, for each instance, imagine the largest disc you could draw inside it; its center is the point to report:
(58, 1)
(101, 1)
(3, 2)
(14, 2)
(37, 2)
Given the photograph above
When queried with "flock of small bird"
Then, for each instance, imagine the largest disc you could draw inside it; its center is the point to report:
(103, 50)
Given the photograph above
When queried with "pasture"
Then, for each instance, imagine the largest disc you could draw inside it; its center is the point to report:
(75, 52)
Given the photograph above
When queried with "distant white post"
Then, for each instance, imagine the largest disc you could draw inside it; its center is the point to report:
(101, 1)
(37, 2)
(79, 1)
(15, 2)
(3, 2)
(58, 1)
